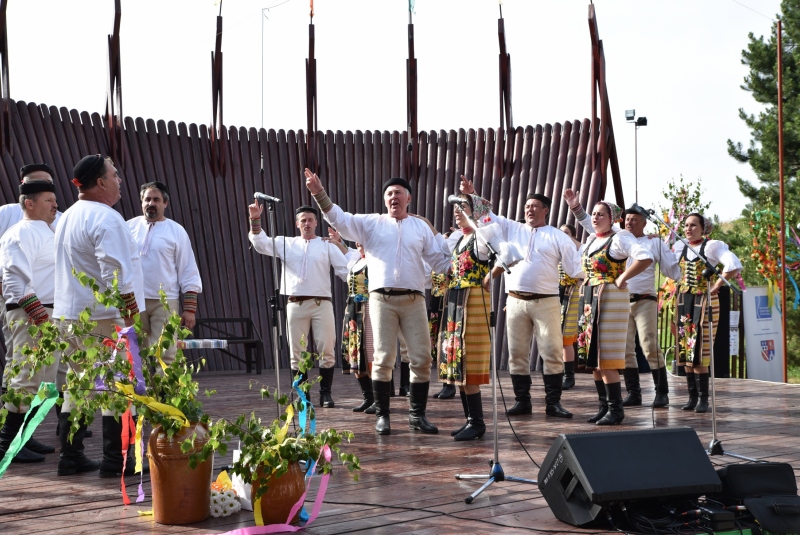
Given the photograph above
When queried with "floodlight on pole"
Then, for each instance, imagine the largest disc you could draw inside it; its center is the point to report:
(630, 117)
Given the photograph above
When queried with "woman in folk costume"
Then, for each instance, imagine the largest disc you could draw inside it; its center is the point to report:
(357, 332)
(693, 343)
(464, 342)
(604, 308)
(569, 298)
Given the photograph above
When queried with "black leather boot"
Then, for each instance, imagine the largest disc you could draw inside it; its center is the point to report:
(662, 388)
(325, 399)
(475, 425)
(448, 392)
(72, 460)
(552, 396)
(57, 408)
(417, 402)
(366, 390)
(569, 375)
(466, 414)
(615, 413)
(692, 384)
(601, 395)
(111, 466)
(522, 394)
(381, 391)
(405, 379)
(345, 366)
(391, 383)
(702, 390)
(8, 432)
(33, 444)
(632, 386)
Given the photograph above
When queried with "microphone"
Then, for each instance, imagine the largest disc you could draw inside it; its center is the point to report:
(264, 197)
(455, 199)
(642, 211)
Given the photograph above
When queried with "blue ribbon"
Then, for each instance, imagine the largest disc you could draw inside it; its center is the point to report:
(302, 417)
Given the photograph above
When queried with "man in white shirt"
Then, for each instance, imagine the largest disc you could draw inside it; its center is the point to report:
(533, 308)
(396, 246)
(10, 214)
(168, 259)
(93, 238)
(306, 261)
(644, 315)
(27, 267)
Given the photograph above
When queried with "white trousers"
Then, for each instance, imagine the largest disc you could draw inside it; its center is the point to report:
(153, 318)
(526, 319)
(312, 315)
(644, 320)
(394, 314)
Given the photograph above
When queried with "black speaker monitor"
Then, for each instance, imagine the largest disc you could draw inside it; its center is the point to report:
(584, 473)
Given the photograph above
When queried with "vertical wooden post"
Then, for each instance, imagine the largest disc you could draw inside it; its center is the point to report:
(412, 159)
(5, 94)
(216, 133)
(782, 234)
(311, 100)
(114, 117)
(506, 117)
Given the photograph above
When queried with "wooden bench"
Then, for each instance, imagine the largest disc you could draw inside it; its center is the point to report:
(226, 329)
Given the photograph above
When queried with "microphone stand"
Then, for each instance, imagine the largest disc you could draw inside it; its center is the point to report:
(496, 473)
(274, 300)
(715, 447)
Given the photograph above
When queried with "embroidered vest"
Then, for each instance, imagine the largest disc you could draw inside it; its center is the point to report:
(468, 271)
(692, 272)
(599, 266)
(358, 284)
(564, 280)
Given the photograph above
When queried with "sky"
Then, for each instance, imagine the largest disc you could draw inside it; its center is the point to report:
(676, 62)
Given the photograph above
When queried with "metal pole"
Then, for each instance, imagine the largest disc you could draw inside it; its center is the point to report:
(636, 161)
(262, 68)
(782, 235)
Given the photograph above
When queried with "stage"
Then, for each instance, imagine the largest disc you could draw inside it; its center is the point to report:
(407, 482)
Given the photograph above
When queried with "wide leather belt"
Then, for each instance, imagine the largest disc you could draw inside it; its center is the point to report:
(643, 297)
(384, 291)
(301, 298)
(528, 296)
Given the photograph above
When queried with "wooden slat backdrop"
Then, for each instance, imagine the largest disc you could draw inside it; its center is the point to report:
(353, 165)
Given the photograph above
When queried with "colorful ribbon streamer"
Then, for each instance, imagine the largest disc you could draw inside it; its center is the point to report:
(153, 404)
(45, 398)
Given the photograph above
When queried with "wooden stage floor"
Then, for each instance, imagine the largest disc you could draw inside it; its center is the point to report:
(407, 483)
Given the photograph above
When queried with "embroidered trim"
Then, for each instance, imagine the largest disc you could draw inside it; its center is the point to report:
(190, 302)
(33, 307)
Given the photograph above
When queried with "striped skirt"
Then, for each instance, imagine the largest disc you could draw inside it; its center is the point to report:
(603, 326)
(569, 315)
(693, 343)
(464, 345)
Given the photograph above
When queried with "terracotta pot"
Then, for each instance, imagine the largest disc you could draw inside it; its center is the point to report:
(282, 493)
(180, 495)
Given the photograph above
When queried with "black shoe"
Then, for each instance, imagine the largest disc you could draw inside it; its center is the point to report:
(601, 395)
(466, 413)
(381, 391)
(702, 390)
(692, 384)
(662, 388)
(475, 425)
(569, 375)
(366, 390)
(8, 432)
(552, 396)
(417, 402)
(111, 465)
(633, 387)
(72, 460)
(405, 379)
(615, 413)
(325, 399)
(448, 392)
(522, 393)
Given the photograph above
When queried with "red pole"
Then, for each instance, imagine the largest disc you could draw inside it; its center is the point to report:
(782, 234)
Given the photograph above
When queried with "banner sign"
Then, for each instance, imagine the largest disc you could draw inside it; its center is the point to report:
(763, 335)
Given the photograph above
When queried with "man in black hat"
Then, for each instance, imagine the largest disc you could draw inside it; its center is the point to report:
(397, 246)
(93, 238)
(27, 268)
(533, 309)
(306, 261)
(10, 214)
(167, 258)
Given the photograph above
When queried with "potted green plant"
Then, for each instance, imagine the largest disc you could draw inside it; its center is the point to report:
(271, 453)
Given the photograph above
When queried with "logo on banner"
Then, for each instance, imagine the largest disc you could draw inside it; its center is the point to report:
(763, 308)
(768, 350)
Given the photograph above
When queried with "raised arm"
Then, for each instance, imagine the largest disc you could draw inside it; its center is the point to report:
(573, 200)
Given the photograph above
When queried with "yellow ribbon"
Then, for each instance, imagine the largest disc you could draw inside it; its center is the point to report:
(152, 404)
(281, 437)
(139, 424)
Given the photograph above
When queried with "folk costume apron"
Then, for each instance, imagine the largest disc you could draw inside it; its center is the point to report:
(464, 341)
(569, 306)
(693, 343)
(357, 331)
(603, 311)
